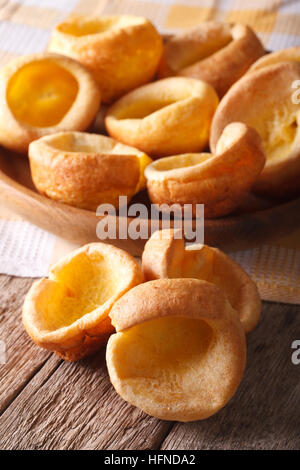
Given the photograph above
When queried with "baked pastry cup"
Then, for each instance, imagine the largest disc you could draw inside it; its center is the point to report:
(291, 54)
(68, 312)
(165, 256)
(86, 170)
(263, 100)
(165, 117)
(42, 94)
(122, 52)
(179, 351)
(217, 53)
(218, 181)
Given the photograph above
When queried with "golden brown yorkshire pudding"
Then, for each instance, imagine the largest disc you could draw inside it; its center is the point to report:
(218, 181)
(86, 170)
(68, 313)
(165, 256)
(42, 94)
(165, 117)
(285, 55)
(263, 100)
(122, 52)
(179, 351)
(217, 53)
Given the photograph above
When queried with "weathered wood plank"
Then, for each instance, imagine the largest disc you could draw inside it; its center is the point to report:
(23, 358)
(265, 412)
(77, 408)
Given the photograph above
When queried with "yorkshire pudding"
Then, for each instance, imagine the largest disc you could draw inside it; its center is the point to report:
(165, 256)
(68, 313)
(263, 100)
(42, 94)
(218, 181)
(86, 170)
(217, 53)
(285, 55)
(179, 351)
(165, 117)
(122, 52)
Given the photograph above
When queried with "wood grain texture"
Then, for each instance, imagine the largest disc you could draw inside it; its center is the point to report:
(22, 356)
(76, 408)
(265, 412)
(252, 224)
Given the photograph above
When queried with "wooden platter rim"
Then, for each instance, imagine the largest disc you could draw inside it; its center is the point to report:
(11, 186)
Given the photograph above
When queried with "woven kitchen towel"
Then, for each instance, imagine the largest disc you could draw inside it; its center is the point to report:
(25, 26)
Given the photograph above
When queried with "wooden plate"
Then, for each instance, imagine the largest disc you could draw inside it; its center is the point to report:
(255, 223)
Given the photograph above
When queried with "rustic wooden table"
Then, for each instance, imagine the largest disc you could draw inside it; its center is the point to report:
(46, 403)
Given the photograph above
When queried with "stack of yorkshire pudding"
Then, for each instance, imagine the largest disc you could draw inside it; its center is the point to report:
(175, 326)
(165, 102)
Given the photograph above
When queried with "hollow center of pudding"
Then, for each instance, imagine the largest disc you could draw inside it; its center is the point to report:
(155, 97)
(81, 286)
(90, 143)
(204, 264)
(181, 161)
(41, 93)
(143, 108)
(169, 349)
(279, 134)
(198, 264)
(85, 28)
